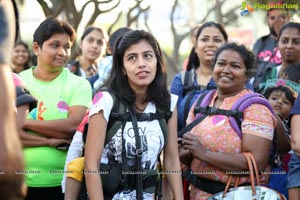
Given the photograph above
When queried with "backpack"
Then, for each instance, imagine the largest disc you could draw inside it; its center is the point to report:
(112, 172)
(187, 80)
(235, 114)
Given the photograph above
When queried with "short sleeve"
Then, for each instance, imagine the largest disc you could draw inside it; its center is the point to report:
(259, 121)
(296, 107)
(82, 94)
(176, 86)
(102, 101)
(174, 99)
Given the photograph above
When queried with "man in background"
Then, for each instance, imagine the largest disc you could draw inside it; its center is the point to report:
(265, 48)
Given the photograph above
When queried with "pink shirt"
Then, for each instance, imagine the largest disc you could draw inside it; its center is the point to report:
(216, 134)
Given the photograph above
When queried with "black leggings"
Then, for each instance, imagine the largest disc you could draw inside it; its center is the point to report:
(44, 193)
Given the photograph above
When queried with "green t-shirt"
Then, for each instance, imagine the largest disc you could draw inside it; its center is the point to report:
(44, 165)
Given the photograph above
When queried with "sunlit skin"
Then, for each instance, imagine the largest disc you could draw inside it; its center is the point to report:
(289, 45)
(280, 103)
(53, 55)
(140, 65)
(91, 46)
(208, 42)
(20, 57)
(229, 73)
(276, 19)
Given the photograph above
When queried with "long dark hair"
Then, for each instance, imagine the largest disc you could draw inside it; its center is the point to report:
(118, 82)
(193, 61)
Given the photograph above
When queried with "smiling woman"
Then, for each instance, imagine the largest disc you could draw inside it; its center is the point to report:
(213, 144)
(210, 36)
(20, 57)
(289, 47)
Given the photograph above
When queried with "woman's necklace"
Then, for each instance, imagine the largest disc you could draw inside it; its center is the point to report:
(140, 108)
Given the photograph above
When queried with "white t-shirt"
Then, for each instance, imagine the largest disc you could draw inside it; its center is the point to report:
(153, 140)
(150, 133)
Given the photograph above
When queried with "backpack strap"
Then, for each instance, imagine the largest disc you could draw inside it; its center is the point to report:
(235, 114)
(187, 79)
(241, 104)
(163, 117)
(203, 100)
(190, 95)
(116, 118)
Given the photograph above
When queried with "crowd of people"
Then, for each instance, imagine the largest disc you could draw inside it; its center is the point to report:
(106, 126)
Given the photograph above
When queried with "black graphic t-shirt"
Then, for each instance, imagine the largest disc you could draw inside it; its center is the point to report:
(267, 55)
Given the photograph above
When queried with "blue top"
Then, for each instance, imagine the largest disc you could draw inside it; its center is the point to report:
(296, 107)
(177, 89)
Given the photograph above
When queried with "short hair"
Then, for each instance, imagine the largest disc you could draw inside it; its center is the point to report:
(289, 93)
(51, 26)
(247, 56)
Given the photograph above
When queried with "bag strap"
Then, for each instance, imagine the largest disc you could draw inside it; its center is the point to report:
(187, 78)
(203, 100)
(236, 113)
(139, 153)
(191, 125)
(253, 173)
(241, 104)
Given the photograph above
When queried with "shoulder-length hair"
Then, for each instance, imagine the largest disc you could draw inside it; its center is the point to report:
(157, 91)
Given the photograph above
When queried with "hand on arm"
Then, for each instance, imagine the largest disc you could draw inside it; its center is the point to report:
(58, 128)
(258, 146)
(31, 140)
(230, 161)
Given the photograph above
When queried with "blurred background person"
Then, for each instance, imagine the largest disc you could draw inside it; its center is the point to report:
(210, 37)
(20, 57)
(92, 42)
(289, 47)
(105, 64)
(265, 48)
